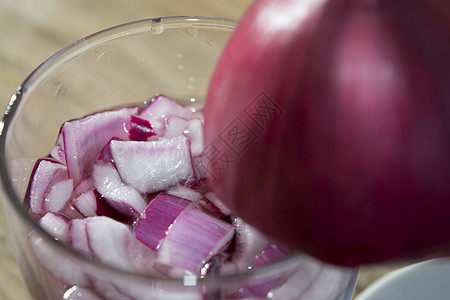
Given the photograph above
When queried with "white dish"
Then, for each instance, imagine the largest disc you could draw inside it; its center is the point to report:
(428, 280)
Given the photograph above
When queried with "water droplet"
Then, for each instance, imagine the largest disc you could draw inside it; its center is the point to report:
(70, 292)
(157, 27)
(191, 31)
(180, 67)
(60, 91)
(98, 53)
(210, 41)
(190, 280)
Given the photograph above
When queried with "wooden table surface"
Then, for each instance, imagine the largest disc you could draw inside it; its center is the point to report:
(31, 31)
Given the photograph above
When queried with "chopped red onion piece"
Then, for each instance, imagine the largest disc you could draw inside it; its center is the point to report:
(185, 192)
(211, 197)
(272, 253)
(260, 287)
(113, 243)
(85, 138)
(154, 223)
(139, 129)
(58, 196)
(84, 186)
(109, 289)
(105, 155)
(58, 153)
(109, 241)
(70, 212)
(59, 265)
(193, 239)
(122, 197)
(194, 132)
(78, 236)
(155, 165)
(86, 203)
(175, 126)
(56, 225)
(45, 174)
(105, 209)
(200, 165)
(161, 108)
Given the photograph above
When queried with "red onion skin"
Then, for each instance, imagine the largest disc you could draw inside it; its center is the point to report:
(355, 167)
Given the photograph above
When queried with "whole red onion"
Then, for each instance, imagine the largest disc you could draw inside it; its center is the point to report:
(328, 126)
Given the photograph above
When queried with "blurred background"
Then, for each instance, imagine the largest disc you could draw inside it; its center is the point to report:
(31, 31)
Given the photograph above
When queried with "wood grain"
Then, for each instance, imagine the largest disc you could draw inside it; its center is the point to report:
(31, 31)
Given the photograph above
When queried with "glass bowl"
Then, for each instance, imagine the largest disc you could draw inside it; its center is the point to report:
(128, 65)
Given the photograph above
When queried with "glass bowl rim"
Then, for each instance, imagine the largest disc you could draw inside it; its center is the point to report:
(143, 25)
